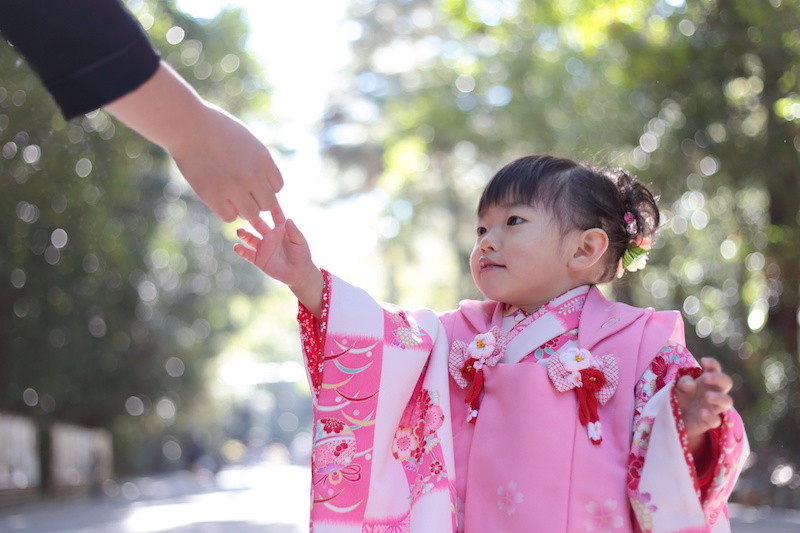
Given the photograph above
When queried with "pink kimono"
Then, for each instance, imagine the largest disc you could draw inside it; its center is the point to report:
(484, 419)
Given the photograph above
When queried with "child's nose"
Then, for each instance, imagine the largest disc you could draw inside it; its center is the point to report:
(488, 242)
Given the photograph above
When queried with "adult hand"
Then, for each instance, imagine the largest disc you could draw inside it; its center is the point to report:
(231, 171)
(227, 166)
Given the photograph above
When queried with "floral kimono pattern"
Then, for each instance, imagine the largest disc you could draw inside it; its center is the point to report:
(399, 445)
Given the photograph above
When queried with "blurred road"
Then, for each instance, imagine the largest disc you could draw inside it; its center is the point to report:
(264, 498)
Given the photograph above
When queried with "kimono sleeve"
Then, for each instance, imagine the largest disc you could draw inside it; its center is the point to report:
(382, 446)
(667, 492)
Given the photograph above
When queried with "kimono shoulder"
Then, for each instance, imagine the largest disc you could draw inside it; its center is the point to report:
(602, 319)
(472, 316)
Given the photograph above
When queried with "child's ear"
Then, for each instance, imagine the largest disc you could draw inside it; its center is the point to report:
(590, 247)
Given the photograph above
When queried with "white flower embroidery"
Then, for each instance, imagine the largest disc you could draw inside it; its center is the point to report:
(575, 378)
(508, 497)
(603, 519)
(575, 359)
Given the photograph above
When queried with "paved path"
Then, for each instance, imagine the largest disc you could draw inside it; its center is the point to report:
(255, 499)
(266, 498)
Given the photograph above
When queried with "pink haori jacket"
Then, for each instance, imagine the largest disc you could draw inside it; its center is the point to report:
(395, 449)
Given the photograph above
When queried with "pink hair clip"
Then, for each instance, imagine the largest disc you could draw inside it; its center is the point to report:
(630, 223)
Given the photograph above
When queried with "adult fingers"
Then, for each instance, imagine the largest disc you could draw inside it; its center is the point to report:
(247, 206)
(224, 209)
(267, 181)
(277, 213)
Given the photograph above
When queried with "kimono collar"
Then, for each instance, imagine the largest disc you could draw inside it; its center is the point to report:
(482, 315)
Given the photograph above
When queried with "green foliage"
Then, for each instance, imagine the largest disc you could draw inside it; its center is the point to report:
(115, 279)
(699, 98)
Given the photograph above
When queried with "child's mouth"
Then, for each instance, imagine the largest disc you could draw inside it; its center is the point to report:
(486, 264)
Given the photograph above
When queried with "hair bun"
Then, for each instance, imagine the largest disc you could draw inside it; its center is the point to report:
(639, 201)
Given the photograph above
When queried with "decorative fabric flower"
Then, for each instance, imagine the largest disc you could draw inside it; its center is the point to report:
(595, 383)
(467, 361)
(482, 346)
(575, 359)
(595, 431)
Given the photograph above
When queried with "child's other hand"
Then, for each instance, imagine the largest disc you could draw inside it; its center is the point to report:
(282, 251)
(702, 400)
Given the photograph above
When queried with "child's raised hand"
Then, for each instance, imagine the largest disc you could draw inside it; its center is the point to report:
(703, 399)
(282, 251)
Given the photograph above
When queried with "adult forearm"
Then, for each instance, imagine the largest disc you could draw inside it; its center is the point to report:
(165, 110)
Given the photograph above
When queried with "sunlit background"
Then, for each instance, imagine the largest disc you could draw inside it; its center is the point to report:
(133, 334)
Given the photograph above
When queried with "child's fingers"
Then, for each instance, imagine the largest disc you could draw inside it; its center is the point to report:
(716, 380)
(708, 418)
(710, 364)
(260, 226)
(293, 232)
(248, 238)
(244, 252)
(686, 388)
(718, 401)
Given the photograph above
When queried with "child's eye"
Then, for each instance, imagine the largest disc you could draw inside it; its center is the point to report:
(480, 231)
(514, 220)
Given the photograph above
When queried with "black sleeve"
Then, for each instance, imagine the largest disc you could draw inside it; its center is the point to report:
(86, 52)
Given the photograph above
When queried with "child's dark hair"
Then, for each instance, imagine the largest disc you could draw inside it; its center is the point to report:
(579, 196)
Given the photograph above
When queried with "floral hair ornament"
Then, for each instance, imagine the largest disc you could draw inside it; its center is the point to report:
(635, 256)
(467, 361)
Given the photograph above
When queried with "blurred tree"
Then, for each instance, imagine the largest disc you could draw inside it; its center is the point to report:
(699, 98)
(115, 277)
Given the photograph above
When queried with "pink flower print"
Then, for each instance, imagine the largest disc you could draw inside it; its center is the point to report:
(640, 501)
(508, 497)
(575, 359)
(436, 468)
(603, 518)
(482, 346)
(405, 443)
(434, 417)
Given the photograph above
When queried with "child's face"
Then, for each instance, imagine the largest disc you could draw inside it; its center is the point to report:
(521, 255)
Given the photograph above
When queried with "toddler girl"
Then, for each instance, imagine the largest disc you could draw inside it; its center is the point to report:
(546, 408)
